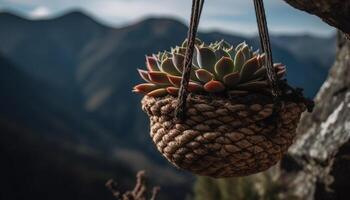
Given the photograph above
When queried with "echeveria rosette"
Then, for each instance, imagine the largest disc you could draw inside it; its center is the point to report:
(216, 68)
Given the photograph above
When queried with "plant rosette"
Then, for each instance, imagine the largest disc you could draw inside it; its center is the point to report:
(231, 127)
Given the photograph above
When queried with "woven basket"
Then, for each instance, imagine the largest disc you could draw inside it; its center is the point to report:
(223, 137)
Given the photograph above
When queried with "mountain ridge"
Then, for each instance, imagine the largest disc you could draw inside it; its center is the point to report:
(84, 14)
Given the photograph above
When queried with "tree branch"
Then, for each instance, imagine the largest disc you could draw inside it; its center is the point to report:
(334, 12)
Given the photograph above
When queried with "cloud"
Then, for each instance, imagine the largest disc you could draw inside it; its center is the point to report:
(136, 8)
(19, 2)
(40, 12)
(227, 15)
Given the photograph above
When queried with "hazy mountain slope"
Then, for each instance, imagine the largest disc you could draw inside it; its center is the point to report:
(309, 47)
(42, 107)
(48, 49)
(34, 168)
(49, 146)
(70, 119)
(33, 164)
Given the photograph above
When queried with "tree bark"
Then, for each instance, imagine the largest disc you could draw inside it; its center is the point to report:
(334, 12)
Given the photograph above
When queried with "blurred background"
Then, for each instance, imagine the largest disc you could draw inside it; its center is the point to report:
(68, 119)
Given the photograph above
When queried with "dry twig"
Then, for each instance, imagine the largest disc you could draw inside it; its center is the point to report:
(138, 193)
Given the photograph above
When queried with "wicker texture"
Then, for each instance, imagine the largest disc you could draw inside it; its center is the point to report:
(223, 137)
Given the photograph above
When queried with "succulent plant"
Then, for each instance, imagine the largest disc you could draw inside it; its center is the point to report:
(216, 68)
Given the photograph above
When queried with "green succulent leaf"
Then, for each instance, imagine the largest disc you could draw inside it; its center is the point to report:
(178, 61)
(206, 58)
(260, 73)
(221, 53)
(239, 61)
(175, 80)
(224, 44)
(168, 67)
(216, 67)
(280, 70)
(281, 74)
(261, 59)
(160, 78)
(197, 42)
(204, 76)
(231, 80)
(184, 43)
(256, 53)
(144, 75)
(246, 52)
(158, 93)
(214, 46)
(173, 90)
(240, 46)
(194, 87)
(232, 52)
(251, 52)
(193, 73)
(181, 50)
(224, 66)
(214, 87)
(145, 88)
(195, 59)
(165, 56)
(156, 56)
(279, 66)
(248, 69)
(151, 63)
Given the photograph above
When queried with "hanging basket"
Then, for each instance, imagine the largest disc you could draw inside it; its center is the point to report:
(223, 137)
(232, 115)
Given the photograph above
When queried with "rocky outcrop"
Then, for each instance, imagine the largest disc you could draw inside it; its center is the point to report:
(333, 12)
(317, 166)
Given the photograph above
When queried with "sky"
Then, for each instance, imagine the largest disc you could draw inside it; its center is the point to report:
(236, 16)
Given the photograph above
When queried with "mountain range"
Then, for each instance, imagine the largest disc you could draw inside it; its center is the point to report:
(67, 114)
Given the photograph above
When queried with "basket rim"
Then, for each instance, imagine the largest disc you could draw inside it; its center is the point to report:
(247, 99)
(289, 94)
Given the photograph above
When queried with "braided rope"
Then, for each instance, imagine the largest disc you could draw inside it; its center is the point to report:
(266, 46)
(197, 7)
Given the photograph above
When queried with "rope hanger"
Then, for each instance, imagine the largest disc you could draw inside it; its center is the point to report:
(197, 7)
